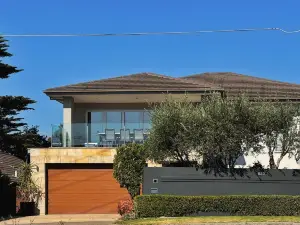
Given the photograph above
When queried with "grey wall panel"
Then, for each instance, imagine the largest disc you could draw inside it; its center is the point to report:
(189, 181)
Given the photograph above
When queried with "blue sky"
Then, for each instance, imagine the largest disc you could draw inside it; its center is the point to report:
(55, 61)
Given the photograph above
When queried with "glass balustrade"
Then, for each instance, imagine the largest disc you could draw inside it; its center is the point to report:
(109, 134)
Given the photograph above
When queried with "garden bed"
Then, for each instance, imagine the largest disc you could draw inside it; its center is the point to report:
(217, 219)
(153, 206)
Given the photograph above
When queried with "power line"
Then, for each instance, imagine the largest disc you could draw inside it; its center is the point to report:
(150, 33)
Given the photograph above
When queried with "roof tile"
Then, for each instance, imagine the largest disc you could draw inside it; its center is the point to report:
(137, 82)
(9, 164)
(234, 84)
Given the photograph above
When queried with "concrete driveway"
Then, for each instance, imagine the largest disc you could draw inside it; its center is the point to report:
(88, 219)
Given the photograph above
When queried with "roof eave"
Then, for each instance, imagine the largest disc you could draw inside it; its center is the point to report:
(55, 93)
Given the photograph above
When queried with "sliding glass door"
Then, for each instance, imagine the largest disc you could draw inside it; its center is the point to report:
(113, 120)
(96, 124)
(99, 121)
(133, 120)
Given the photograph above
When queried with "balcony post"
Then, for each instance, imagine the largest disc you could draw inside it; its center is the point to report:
(68, 104)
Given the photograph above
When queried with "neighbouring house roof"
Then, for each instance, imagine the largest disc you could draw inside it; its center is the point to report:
(143, 82)
(9, 164)
(234, 84)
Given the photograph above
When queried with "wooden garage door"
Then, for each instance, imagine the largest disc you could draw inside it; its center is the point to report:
(83, 191)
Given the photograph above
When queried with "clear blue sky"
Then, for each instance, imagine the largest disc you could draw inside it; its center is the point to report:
(50, 62)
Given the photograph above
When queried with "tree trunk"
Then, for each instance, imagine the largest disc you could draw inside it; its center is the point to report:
(272, 161)
(278, 161)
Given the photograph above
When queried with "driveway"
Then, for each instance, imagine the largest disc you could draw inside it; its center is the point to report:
(88, 219)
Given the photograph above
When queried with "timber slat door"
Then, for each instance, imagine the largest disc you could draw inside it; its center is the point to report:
(83, 191)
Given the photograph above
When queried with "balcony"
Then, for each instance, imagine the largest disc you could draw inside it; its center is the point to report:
(98, 134)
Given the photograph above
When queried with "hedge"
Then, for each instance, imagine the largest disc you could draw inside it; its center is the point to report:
(243, 205)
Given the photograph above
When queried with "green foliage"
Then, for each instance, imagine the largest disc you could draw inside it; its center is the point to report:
(29, 137)
(250, 205)
(5, 69)
(20, 142)
(10, 123)
(129, 163)
(27, 189)
(170, 137)
(32, 139)
(15, 137)
(231, 130)
(279, 121)
(217, 130)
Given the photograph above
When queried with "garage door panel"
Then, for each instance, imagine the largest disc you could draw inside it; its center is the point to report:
(78, 197)
(85, 203)
(91, 192)
(61, 193)
(98, 178)
(82, 206)
(58, 183)
(83, 191)
(68, 175)
(88, 186)
(109, 208)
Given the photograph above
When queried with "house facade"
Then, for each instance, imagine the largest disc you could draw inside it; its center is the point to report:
(76, 172)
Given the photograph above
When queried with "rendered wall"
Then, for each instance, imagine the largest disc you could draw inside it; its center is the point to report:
(189, 181)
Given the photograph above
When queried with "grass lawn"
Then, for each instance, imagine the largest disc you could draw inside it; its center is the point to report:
(212, 219)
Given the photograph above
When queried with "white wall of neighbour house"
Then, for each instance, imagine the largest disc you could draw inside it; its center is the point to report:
(286, 163)
(247, 161)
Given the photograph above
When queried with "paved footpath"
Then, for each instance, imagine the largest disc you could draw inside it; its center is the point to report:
(102, 220)
(111, 223)
(67, 223)
(92, 219)
(75, 223)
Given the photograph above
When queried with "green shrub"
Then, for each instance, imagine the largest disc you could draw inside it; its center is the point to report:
(129, 163)
(243, 205)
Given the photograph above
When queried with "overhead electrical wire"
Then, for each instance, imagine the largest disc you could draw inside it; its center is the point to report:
(150, 33)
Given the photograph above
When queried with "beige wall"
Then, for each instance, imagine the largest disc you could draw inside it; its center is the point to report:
(40, 157)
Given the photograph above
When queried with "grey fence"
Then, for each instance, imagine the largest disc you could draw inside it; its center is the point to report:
(189, 181)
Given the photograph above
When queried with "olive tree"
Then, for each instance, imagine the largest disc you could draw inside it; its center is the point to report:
(231, 130)
(173, 122)
(280, 130)
(216, 131)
